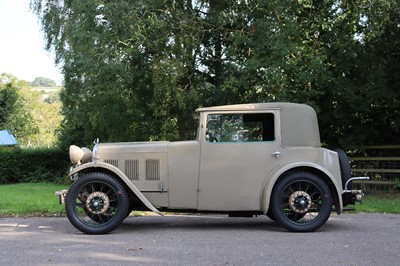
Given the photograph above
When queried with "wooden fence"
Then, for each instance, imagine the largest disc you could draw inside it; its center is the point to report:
(384, 171)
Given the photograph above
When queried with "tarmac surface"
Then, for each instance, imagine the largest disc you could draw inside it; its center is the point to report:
(347, 239)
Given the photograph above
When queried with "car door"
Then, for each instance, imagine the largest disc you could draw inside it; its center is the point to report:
(237, 155)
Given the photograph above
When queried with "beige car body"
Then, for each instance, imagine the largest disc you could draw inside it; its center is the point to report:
(227, 176)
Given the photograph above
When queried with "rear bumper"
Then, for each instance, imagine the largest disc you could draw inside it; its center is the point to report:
(350, 197)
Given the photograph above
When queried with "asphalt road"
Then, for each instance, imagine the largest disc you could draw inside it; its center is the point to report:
(348, 239)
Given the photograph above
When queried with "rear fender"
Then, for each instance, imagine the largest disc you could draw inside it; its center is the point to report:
(98, 166)
(270, 183)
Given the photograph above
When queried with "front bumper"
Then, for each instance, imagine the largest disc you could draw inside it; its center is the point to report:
(61, 195)
(350, 197)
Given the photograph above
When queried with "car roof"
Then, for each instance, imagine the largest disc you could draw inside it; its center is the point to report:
(252, 106)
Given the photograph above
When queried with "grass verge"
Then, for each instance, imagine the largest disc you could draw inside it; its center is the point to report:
(381, 203)
(30, 199)
(38, 199)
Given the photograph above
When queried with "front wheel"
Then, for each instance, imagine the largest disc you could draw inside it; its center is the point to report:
(301, 202)
(96, 203)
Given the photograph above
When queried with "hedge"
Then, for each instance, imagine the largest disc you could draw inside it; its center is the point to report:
(33, 165)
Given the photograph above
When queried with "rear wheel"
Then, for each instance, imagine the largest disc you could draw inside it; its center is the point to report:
(96, 203)
(301, 202)
(270, 215)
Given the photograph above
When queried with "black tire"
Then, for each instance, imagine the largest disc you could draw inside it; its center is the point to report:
(301, 202)
(270, 215)
(96, 203)
(345, 168)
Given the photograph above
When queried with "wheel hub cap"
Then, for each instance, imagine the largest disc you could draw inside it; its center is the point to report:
(97, 202)
(300, 201)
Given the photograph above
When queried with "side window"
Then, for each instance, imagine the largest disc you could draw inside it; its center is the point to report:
(240, 127)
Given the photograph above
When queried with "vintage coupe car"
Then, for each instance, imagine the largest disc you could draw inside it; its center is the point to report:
(247, 159)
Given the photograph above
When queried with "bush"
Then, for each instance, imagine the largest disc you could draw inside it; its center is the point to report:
(397, 183)
(33, 165)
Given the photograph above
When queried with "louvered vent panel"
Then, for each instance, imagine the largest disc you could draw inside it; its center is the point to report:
(132, 169)
(152, 169)
(112, 161)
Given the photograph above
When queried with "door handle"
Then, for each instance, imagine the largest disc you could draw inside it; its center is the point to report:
(277, 154)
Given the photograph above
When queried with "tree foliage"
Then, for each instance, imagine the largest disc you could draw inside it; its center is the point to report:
(136, 70)
(33, 122)
(43, 82)
(14, 111)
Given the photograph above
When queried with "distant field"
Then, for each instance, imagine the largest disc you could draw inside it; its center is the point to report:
(46, 89)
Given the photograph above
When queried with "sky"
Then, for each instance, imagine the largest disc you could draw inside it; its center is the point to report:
(22, 52)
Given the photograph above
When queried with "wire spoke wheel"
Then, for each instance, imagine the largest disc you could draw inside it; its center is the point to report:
(96, 203)
(301, 202)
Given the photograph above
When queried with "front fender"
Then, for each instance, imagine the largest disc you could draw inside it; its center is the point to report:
(270, 182)
(101, 165)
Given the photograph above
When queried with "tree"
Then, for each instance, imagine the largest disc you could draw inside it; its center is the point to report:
(43, 82)
(33, 122)
(14, 112)
(362, 102)
(140, 73)
(124, 62)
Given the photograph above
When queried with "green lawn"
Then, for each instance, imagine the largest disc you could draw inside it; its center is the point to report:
(383, 203)
(36, 199)
(30, 199)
